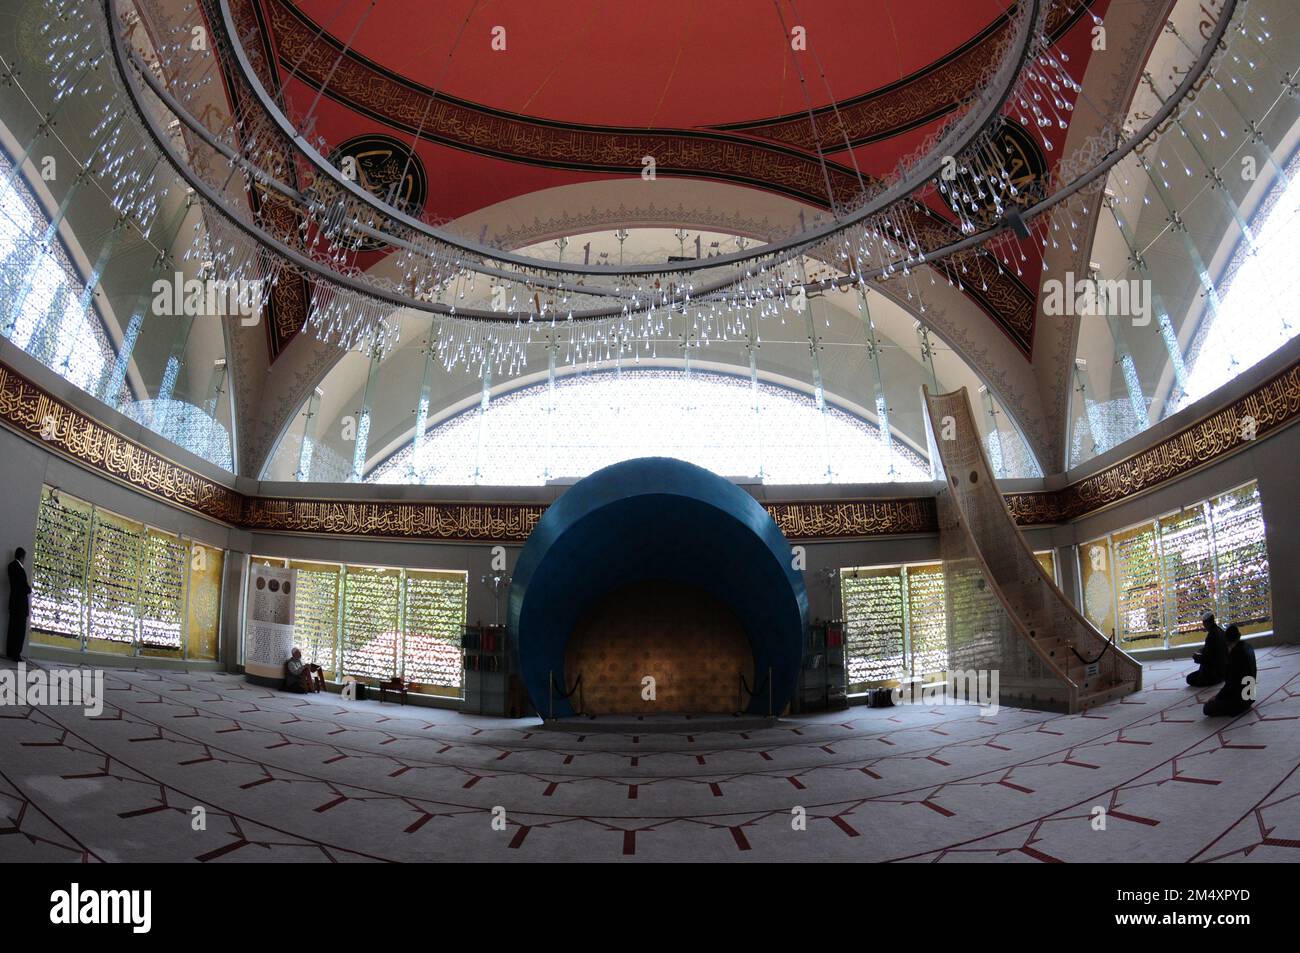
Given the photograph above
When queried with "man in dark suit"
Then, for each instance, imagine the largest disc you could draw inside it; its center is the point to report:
(20, 603)
(1212, 658)
(1239, 685)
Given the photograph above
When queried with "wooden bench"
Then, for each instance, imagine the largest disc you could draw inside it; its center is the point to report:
(394, 685)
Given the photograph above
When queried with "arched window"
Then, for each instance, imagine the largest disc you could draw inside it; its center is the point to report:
(727, 424)
(47, 310)
(43, 305)
(1259, 308)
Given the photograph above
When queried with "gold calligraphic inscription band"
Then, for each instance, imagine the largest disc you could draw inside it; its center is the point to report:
(38, 415)
(31, 411)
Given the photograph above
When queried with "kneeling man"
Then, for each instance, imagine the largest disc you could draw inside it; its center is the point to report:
(1239, 688)
(1212, 658)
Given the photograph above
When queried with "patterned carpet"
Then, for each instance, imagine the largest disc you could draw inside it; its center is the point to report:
(290, 778)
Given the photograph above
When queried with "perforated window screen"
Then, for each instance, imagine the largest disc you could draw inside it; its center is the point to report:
(926, 620)
(392, 621)
(1137, 580)
(895, 623)
(1242, 559)
(435, 622)
(105, 583)
(162, 591)
(873, 625)
(63, 527)
(1164, 577)
(372, 601)
(316, 613)
(1187, 565)
(115, 574)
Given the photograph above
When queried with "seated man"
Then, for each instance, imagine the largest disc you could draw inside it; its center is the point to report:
(1239, 688)
(302, 677)
(1212, 659)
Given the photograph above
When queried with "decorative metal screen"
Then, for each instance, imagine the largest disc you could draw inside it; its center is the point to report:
(1187, 570)
(1137, 577)
(434, 622)
(59, 566)
(927, 625)
(316, 613)
(980, 635)
(406, 622)
(114, 585)
(115, 572)
(1242, 559)
(161, 591)
(873, 625)
(371, 622)
(1167, 575)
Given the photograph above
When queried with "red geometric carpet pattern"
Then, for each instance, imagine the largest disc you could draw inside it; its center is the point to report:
(291, 778)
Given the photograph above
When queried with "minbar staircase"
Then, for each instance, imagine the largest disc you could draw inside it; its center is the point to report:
(1087, 670)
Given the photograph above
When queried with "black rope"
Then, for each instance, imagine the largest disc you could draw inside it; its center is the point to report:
(569, 694)
(1109, 643)
(752, 692)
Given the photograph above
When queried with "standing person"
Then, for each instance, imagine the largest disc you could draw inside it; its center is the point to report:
(20, 603)
(1212, 658)
(1239, 687)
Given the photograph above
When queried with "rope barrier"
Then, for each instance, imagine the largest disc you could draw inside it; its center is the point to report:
(1109, 643)
(744, 685)
(569, 694)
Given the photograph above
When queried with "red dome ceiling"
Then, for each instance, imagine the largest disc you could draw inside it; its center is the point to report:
(671, 63)
(711, 88)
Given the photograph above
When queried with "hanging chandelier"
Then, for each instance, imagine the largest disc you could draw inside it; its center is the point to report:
(274, 204)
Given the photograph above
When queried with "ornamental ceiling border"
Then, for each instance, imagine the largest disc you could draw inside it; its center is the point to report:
(37, 415)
